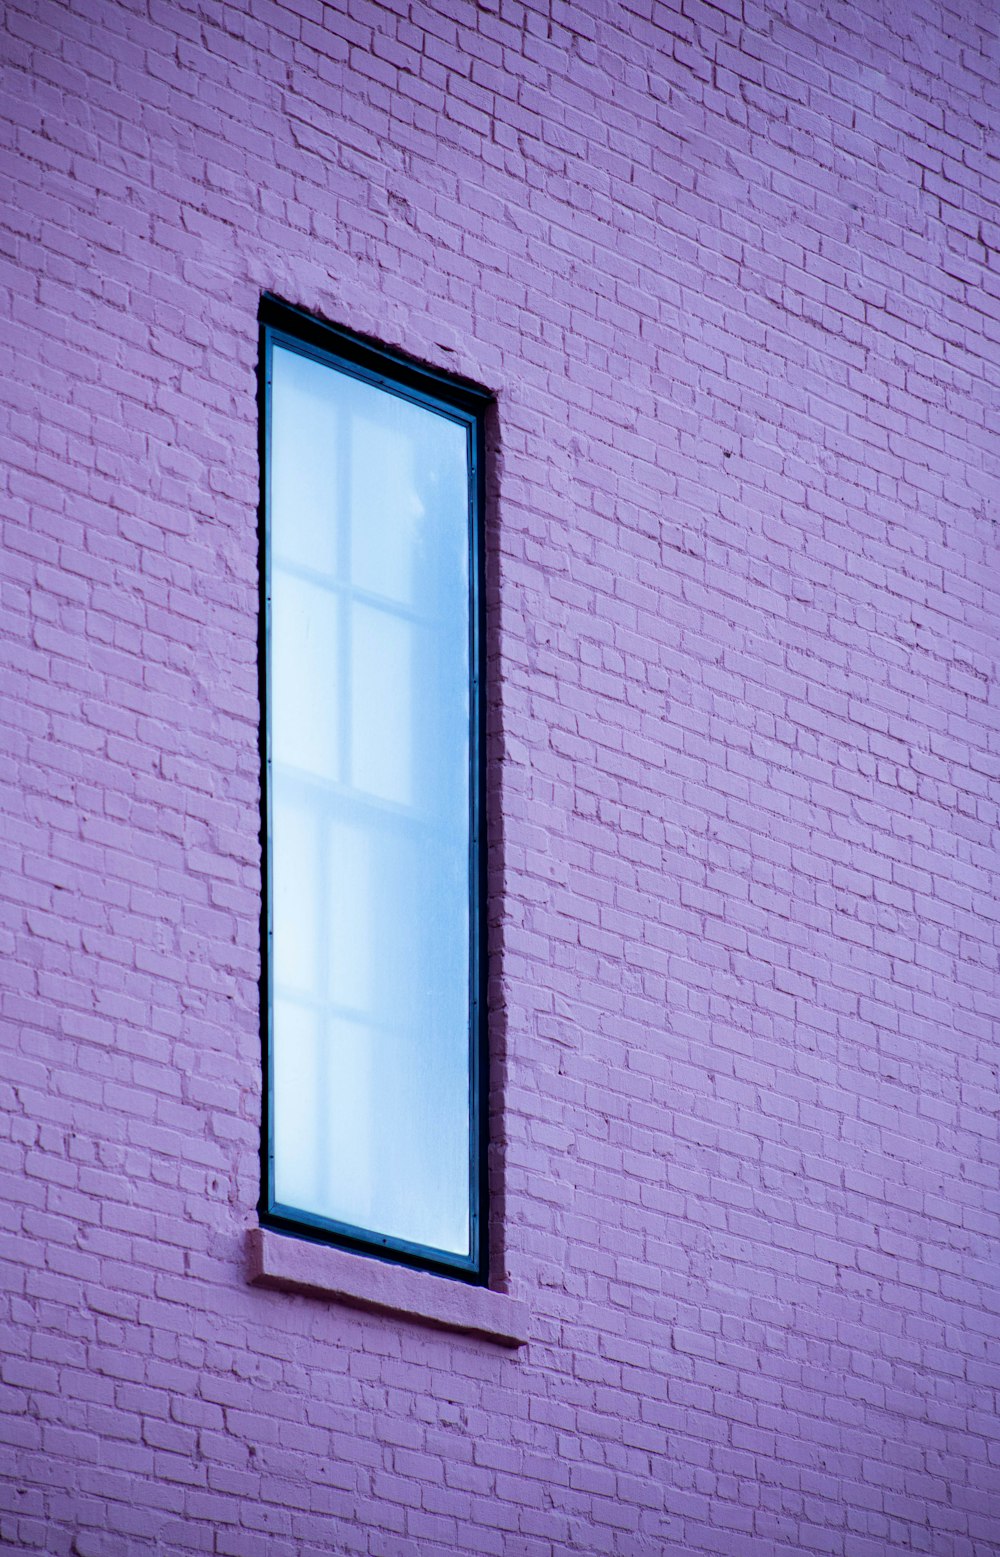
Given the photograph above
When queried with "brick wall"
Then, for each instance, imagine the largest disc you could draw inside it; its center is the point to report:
(732, 273)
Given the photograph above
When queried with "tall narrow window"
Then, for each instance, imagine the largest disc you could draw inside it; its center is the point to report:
(373, 982)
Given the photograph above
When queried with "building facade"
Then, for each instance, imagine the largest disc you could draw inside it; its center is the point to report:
(728, 271)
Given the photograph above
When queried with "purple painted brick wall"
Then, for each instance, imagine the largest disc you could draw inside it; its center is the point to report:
(732, 271)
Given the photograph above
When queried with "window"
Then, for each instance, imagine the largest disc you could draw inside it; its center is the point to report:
(373, 984)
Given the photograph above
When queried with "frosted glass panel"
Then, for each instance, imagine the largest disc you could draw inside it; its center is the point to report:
(305, 425)
(382, 696)
(304, 648)
(369, 761)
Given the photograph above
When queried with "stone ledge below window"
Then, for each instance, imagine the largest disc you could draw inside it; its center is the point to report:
(294, 1265)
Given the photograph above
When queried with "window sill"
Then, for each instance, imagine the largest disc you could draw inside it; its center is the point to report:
(293, 1265)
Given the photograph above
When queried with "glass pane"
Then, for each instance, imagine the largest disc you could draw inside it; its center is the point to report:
(305, 727)
(305, 425)
(382, 690)
(370, 806)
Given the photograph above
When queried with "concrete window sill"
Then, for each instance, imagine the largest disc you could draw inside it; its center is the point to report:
(292, 1265)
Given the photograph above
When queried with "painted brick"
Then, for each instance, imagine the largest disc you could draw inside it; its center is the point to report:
(730, 269)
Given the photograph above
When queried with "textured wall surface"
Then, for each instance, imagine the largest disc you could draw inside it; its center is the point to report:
(732, 271)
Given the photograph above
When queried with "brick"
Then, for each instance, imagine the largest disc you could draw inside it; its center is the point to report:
(734, 290)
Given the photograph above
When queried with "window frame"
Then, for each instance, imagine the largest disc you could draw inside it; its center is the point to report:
(467, 403)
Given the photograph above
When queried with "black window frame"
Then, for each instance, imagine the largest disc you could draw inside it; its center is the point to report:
(358, 356)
